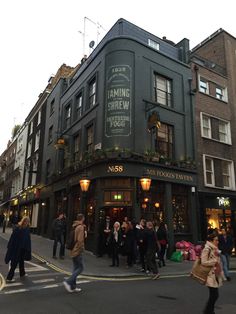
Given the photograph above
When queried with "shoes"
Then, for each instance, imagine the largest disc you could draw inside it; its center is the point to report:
(159, 264)
(156, 276)
(23, 276)
(228, 278)
(67, 287)
(77, 290)
(10, 280)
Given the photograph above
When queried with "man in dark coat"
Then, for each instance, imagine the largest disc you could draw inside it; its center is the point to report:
(19, 248)
(225, 246)
(58, 228)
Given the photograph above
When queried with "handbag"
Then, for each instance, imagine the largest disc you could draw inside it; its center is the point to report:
(200, 272)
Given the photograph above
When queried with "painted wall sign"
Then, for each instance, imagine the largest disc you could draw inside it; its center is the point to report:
(118, 101)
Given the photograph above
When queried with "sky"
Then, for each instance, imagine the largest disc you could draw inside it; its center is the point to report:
(38, 36)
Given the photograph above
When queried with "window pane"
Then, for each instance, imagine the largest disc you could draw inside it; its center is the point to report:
(209, 177)
(162, 90)
(208, 164)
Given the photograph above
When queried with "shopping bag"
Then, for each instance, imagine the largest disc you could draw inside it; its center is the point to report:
(200, 272)
(176, 256)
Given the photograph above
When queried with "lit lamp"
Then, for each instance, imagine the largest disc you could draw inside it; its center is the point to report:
(84, 185)
(145, 183)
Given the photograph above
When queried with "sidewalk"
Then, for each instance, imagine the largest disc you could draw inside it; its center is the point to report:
(99, 267)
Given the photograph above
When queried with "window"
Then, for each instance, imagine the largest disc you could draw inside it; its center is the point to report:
(206, 126)
(92, 93)
(52, 106)
(39, 117)
(162, 90)
(76, 147)
(219, 93)
(203, 86)
(50, 134)
(164, 143)
(180, 209)
(31, 127)
(48, 169)
(29, 151)
(209, 171)
(37, 140)
(153, 44)
(218, 172)
(78, 106)
(90, 139)
(67, 116)
(215, 128)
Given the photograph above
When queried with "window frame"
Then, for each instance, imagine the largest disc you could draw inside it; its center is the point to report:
(153, 44)
(204, 90)
(168, 91)
(93, 95)
(78, 96)
(67, 118)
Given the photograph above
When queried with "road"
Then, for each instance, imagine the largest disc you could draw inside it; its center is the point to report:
(42, 292)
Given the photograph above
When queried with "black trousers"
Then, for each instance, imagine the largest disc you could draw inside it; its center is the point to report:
(151, 261)
(142, 253)
(213, 296)
(14, 264)
(115, 255)
(59, 238)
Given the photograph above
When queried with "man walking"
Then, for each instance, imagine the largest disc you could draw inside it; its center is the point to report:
(76, 254)
(225, 246)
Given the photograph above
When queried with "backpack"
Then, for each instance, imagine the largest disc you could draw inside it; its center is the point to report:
(70, 243)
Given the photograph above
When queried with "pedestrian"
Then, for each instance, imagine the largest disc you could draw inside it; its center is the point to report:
(58, 228)
(162, 238)
(19, 248)
(142, 243)
(77, 254)
(225, 246)
(115, 239)
(152, 247)
(129, 242)
(14, 219)
(211, 257)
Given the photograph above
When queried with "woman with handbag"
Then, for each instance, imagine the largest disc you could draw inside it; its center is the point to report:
(211, 257)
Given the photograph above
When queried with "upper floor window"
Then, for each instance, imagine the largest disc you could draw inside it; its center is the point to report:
(215, 128)
(78, 106)
(39, 117)
(31, 127)
(162, 90)
(153, 44)
(52, 106)
(76, 147)
(203, 86)
(37, 140)
(164, 143)
(48, 169)
(29, 151)
(92, 92)
(50, 134)
(218, 172)
(90, 135)
(67, 116)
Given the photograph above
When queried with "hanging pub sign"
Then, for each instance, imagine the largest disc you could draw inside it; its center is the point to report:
(154, 121)
(118, 101)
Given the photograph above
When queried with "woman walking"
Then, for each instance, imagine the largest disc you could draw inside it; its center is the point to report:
(115, 241)
(211, 257)
(19, 248)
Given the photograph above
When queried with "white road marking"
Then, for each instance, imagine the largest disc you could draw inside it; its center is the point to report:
(16, 291)
(50, 286)
(43, 280)
(14, 284)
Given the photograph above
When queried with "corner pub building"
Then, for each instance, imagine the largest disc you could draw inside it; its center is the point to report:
(127, 114)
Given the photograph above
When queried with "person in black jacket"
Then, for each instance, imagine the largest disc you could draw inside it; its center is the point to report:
(19, 248)
(225, 246)
(142, 243)
(58, 228)
(162, 238)
(152, 247)
(129, 242)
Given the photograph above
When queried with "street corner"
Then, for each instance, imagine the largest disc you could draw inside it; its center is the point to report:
(2, 282)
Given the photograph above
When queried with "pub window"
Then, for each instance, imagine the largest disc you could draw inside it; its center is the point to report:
(164, 140)
(90, 135)
(162, 90)
(180, 210)
(92, 92)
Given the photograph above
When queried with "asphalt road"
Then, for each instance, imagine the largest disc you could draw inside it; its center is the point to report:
(42, 292)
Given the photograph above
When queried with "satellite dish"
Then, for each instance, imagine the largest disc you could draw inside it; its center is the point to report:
(91, 44)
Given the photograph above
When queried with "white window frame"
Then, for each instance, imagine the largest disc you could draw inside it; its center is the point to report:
(39, 117)
(202, 115)
(31, 127)
(230, 173)
(204, 90)
(37, 140)
(29, 150)
(223, 95)
(227, 133)
(153, 44)
(205, 171)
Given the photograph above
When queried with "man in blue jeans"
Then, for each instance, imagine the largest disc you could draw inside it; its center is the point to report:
(225, 246)
(76, 254)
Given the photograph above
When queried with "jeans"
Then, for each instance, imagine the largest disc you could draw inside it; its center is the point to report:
(14, 264)
(225, 263)
(77, 269)
(59, 238)
(213, 296)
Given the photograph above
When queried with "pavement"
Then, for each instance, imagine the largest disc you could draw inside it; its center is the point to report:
(99, 266)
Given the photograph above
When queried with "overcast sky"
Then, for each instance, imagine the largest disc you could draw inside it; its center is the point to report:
(37, 36)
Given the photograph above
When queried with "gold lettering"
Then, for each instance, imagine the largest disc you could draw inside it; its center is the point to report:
(115, 168)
